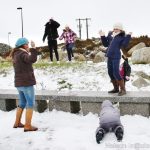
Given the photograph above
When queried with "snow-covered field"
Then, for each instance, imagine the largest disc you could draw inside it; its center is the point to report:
(85, 76)
(64, 131)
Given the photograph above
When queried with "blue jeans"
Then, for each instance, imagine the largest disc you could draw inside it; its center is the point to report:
(26, 96)
(113, 69)
(69, 48)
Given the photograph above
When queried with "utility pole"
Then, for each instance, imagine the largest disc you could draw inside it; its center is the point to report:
(87, 25)
(9, 39)
(87, 32)
(79, 26)
(20, 8)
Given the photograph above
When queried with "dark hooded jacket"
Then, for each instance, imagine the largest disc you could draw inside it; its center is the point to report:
(114, 44)
(22, 62)
(127, 68)
(51, 30)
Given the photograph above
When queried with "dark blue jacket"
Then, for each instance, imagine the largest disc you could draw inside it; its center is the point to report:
(115, 44)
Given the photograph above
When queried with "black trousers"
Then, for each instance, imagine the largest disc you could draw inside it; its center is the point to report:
(52, 44)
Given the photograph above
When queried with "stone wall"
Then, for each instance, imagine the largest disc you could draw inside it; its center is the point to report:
(81, 102)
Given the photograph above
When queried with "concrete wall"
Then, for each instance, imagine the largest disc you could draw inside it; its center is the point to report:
(80, 102)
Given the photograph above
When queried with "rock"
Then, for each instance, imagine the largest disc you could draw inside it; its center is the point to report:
(136, 47)
(4, 48)
(79, 57)
(140, 82)
(141, 56)
(99, 57)
(93, 54)
(62, 47)
(143, 75)
(63, 55)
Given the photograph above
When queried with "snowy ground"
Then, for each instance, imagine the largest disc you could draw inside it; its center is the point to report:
(85, 76)
(65, 131)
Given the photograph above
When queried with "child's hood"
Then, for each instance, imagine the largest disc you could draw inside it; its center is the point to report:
(106, 103)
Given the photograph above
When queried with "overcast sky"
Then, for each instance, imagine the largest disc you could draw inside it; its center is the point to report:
(133, 14)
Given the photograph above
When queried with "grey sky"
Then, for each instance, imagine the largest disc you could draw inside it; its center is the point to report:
(134, 15)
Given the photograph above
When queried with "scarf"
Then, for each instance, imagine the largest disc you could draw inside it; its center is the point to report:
(114, 34)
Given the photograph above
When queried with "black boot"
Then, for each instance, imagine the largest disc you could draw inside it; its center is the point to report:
(119, 133)
(99, 136)
(116, 87)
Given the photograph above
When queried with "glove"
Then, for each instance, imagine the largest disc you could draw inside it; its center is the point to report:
(101, 33)
(130, 33)
(32, 44)
(127, 78)
(43, 40)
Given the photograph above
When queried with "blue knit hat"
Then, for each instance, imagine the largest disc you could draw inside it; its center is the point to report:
(21, 41)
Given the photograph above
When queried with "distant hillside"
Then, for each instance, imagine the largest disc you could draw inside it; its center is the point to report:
(136, 40)
(82, 45)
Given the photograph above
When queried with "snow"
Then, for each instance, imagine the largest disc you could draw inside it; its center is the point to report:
(82, 77)
(65, 131)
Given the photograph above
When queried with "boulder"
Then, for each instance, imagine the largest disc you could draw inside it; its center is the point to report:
(140, 82)
(99, 57)
(141, 56)
(79, 57)
(63, 55)
(136, 47)
(143, 75)
(4, 48)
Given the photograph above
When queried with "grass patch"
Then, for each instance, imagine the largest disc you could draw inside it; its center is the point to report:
(41, 65)
(62, 64)
(5, 64)
(44, 64)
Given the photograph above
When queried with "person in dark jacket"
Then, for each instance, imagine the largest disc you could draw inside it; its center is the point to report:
(109, 122)
(115, 40)
(52, 34)
(23, 58)
(125, 69)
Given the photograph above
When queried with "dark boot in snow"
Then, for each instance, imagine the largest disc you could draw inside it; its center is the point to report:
(99, 136)
(116, 87)
(119, 133)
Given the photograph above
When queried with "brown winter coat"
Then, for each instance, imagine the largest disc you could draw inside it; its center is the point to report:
(22, 62)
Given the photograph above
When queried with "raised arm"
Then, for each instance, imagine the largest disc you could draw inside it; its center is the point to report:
(126, 40)
(104, 39)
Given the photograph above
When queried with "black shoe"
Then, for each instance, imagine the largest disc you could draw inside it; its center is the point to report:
(119, 133)
(99, 136)
(114, 91)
